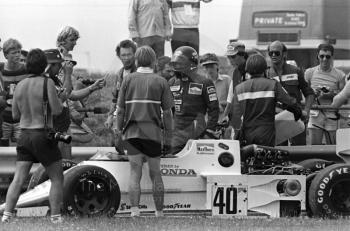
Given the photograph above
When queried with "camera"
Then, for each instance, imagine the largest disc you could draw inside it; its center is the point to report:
(58, 136)
(325, 89)
(87, 81)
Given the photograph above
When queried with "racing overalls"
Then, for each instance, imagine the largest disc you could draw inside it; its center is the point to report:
(193, 97)
(256, 100)
(293, 81)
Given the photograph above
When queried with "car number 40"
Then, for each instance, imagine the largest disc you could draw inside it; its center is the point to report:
(229, 200)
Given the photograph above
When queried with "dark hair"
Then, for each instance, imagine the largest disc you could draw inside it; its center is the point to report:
(145, 57)
(24, 53)
(125, 44)
(325, 47)
(36, 62)
(162, 61)
(256, 65)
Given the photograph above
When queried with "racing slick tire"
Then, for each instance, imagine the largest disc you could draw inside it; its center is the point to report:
(313, 166)
(329, 192)
(40, 175)
(90, 191)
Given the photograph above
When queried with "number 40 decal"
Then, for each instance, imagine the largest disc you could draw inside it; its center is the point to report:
(226, 199)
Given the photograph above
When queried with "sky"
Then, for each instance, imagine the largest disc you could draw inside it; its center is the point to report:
(102, 24)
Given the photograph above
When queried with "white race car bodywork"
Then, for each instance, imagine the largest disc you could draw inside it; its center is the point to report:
(194, 181)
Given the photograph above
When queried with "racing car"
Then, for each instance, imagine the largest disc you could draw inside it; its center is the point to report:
(213, 177)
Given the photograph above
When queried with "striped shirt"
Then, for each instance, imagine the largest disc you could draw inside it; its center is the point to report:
(10, 81)
(143, 94)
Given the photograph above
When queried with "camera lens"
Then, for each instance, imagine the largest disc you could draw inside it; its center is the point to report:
(63, 138)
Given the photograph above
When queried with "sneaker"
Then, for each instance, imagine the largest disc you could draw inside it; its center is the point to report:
(135, 212)
(56, 219)
(6, 217)
(159, 213)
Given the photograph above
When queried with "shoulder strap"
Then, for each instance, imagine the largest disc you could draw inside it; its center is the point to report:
(45, 103)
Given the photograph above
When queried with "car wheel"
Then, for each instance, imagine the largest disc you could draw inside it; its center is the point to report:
(40, 175)
(313, 166)
(329, 192)
(90, 191)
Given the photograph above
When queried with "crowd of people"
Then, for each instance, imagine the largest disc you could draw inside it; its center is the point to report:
(158, 102)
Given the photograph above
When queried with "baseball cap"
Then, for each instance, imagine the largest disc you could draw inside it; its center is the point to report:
(209, 58)
(233, 48)
(53, 56)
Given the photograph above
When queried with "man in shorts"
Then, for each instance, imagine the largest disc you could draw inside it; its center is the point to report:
(326, 81)
(33, 144)
(142, 96)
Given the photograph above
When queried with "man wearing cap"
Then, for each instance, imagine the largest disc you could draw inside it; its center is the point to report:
(210, 63)
(62, 121)
(292, 80)
(237, 57)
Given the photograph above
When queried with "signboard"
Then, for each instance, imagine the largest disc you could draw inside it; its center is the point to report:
(271, 19)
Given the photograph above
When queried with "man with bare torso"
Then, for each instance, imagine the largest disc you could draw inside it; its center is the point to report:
(33, 144)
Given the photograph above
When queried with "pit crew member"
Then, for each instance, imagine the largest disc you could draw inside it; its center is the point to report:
(292, 80)
(255, 100)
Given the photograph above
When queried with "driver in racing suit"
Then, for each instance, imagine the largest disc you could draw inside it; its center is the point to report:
(194, 96)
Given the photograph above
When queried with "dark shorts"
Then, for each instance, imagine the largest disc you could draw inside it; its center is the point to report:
(148, 147)
(34, 146)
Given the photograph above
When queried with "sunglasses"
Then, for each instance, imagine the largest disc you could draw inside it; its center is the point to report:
(240, 53)
(324, 56)
(276, 53)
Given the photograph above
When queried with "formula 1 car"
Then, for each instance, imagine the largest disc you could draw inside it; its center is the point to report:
(216, 177)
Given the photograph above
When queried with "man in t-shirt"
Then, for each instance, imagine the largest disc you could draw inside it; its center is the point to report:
(142, 96)
(125, 51)
(13, 71)
(326, 81)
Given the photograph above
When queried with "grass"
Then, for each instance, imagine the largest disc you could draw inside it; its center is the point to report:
(178, 223)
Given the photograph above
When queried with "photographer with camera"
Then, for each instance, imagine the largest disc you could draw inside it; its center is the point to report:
(35, 144)
(62, 122)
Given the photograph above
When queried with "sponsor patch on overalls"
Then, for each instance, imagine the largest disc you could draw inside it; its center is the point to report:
(289, 77)
(213, 97)
(175, 88)
(211, 89)
(195, 89)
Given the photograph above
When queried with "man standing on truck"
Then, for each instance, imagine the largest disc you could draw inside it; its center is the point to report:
(292, 80)
(185, 15)
(255, 100)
